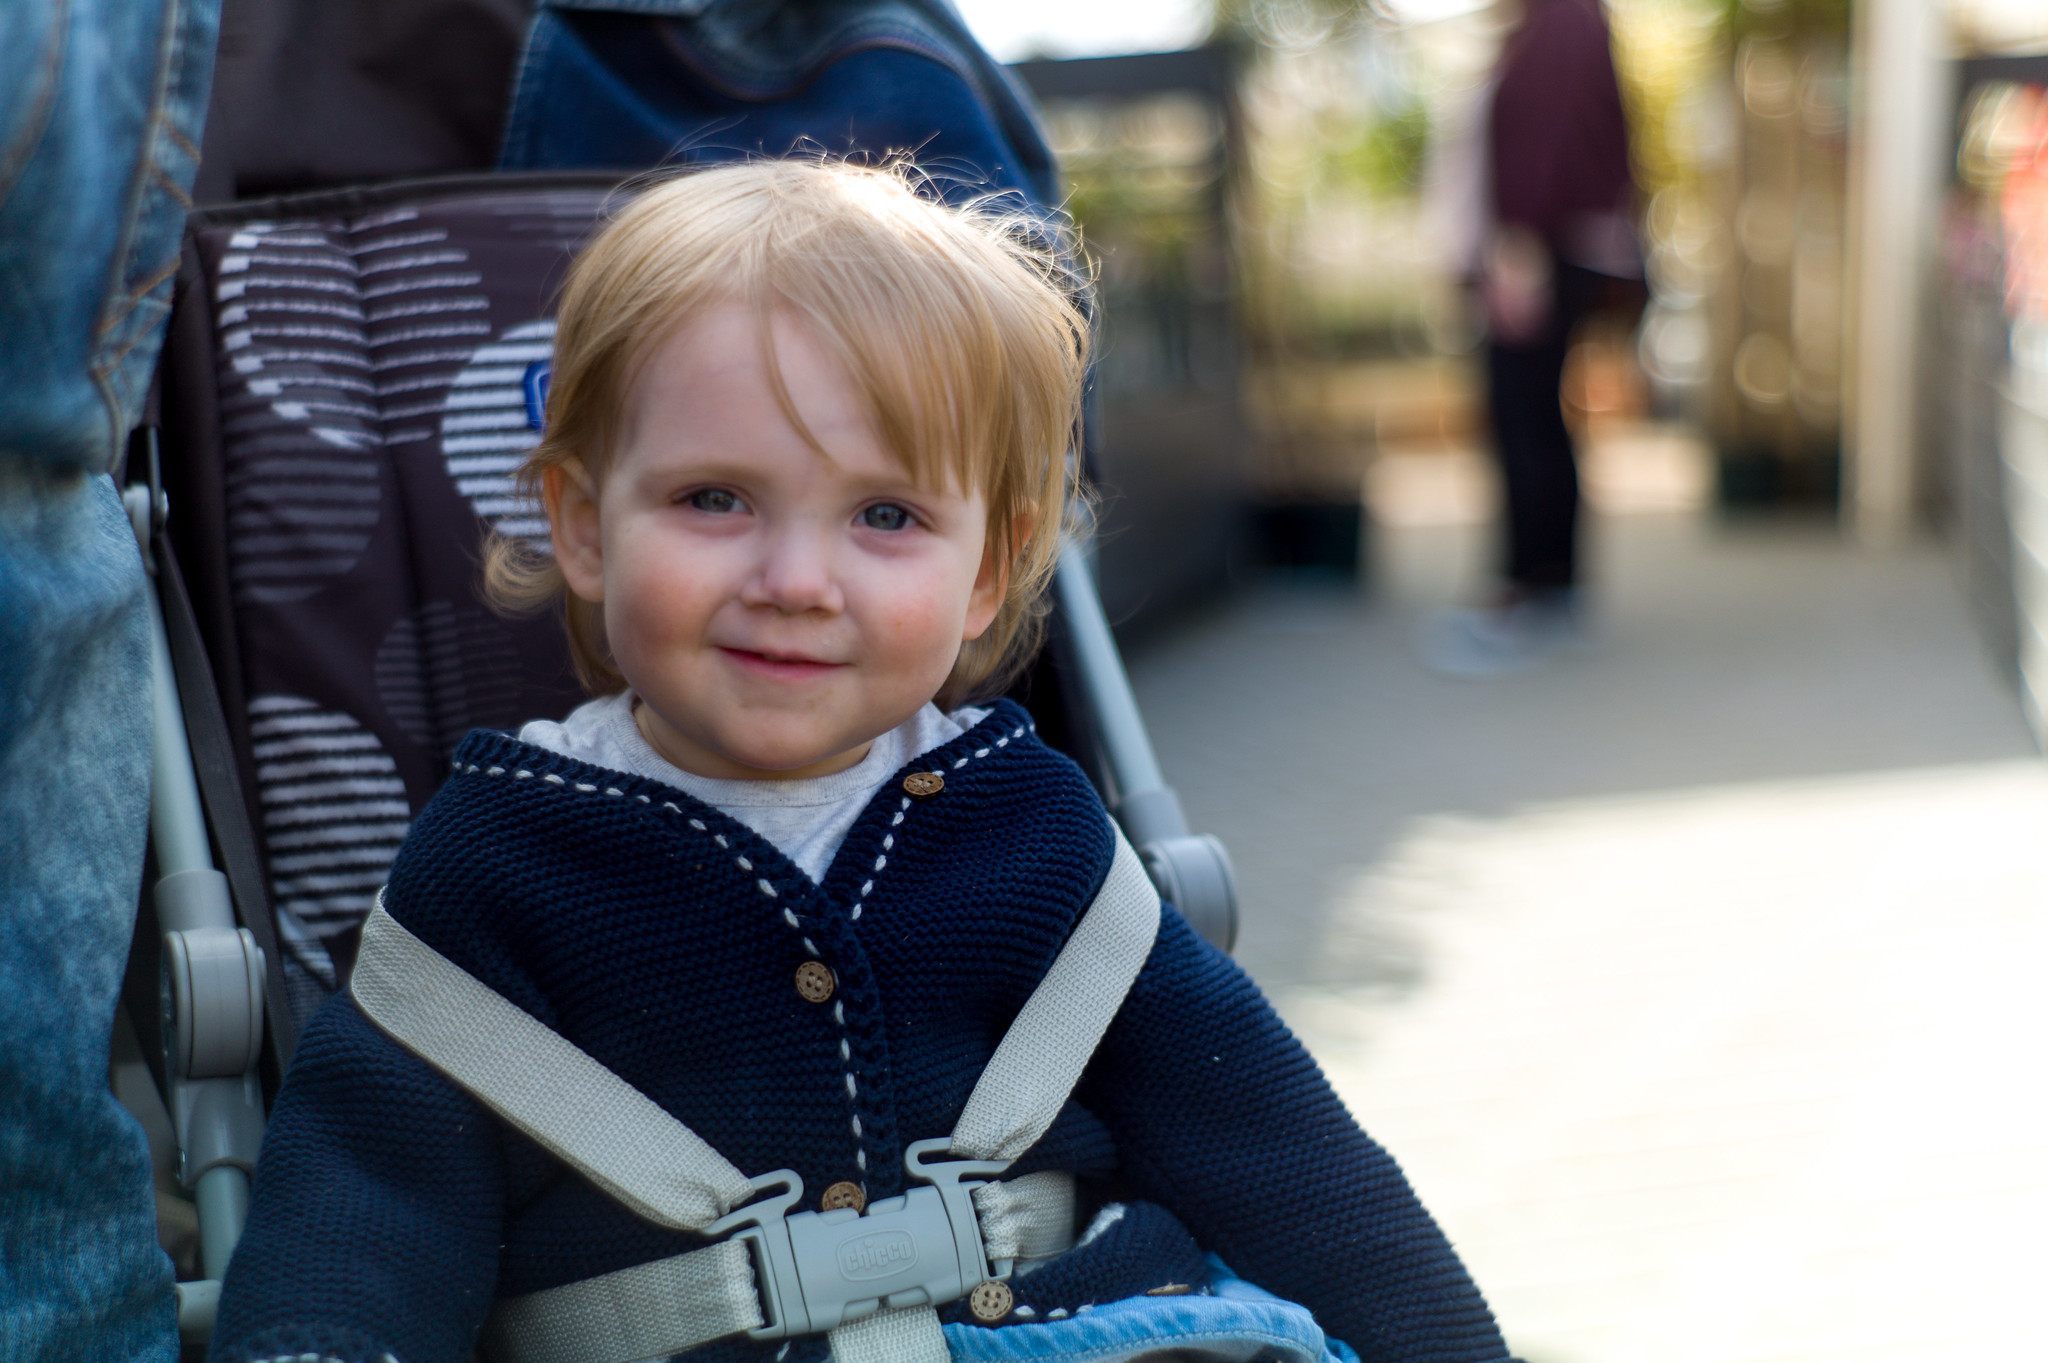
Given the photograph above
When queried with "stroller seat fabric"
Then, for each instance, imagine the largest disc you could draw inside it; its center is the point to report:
(375, 386)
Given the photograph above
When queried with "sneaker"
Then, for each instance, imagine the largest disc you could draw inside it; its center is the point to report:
(1493, 641)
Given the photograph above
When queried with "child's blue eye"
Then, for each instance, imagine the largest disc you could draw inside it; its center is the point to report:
(715, 500)
(886, 516)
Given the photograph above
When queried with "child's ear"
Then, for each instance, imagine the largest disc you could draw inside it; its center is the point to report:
(571, 501)
(992, 583)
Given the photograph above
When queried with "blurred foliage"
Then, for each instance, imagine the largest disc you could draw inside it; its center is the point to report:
(1383, 158)
(1785, 18)
(1294, 24)
(1339, 108)
(1140, 175)
(1144, 185)
(1665, 52)
(1117, 209)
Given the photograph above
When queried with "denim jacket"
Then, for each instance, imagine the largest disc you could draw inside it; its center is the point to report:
(639, 83)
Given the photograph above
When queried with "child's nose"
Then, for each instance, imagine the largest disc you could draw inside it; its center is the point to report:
(795, 573)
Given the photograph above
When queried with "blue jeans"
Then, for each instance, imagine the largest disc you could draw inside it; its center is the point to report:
(100, 107)
(1234, 1322)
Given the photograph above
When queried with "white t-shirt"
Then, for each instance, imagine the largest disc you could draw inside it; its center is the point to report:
(806, 819)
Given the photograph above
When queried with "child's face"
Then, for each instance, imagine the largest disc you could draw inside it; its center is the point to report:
(774, 610)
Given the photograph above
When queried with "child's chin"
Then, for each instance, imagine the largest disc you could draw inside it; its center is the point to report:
(795, 756)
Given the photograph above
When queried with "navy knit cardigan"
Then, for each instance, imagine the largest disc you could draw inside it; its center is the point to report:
(662, 937)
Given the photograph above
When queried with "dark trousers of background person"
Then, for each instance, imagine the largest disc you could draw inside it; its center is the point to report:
(1539, 467)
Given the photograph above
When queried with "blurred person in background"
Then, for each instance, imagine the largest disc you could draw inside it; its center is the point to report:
(1555, 202)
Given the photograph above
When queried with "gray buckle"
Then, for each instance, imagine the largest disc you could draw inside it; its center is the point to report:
(818, 1270)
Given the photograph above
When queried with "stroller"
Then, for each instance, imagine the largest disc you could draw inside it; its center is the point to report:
(351, 378)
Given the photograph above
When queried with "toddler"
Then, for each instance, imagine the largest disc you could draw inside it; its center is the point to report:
(758, 918)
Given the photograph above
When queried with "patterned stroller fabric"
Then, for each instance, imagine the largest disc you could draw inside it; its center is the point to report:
(372, 390)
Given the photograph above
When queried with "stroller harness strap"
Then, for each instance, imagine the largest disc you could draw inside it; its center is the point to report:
(663, 1307)
(781, 1273)
(539, 1082)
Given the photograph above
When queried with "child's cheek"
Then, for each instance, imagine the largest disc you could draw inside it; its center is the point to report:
(658, 601)
(924, 635)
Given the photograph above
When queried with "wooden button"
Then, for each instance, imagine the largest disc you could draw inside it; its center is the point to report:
(814, 981)
(991, 1301)
(922, 785)
(844, 1194)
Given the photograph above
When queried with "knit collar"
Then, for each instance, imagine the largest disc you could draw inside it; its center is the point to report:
(496, 754)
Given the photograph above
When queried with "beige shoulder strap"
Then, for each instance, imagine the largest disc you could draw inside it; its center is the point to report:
(587, 1116)
(538, 1082)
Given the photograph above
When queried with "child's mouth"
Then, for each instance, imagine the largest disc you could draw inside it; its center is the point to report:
(780, 667)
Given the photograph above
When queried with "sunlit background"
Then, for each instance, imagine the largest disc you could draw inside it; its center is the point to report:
(1076, 28)
(1694, 978)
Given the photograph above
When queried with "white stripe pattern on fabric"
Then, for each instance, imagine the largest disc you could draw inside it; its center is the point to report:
(333, 811)
(406, 359)
(475, 393)
(539, 1082)
(309, 307)
(452, 256)
(427, 307)
(284, 541)
(487, 431)
(390, 217)
(467, 279)
(422, 238)
(333, 762)
(493, 369)
(334, 814)
(440, 332)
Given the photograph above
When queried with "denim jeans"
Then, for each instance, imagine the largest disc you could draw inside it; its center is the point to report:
(100, 107)
(1234, 1322)
(80, 1272)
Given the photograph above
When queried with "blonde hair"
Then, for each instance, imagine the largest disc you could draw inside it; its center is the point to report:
(963, 327)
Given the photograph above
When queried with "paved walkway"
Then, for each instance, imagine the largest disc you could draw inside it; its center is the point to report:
(1697, 981)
